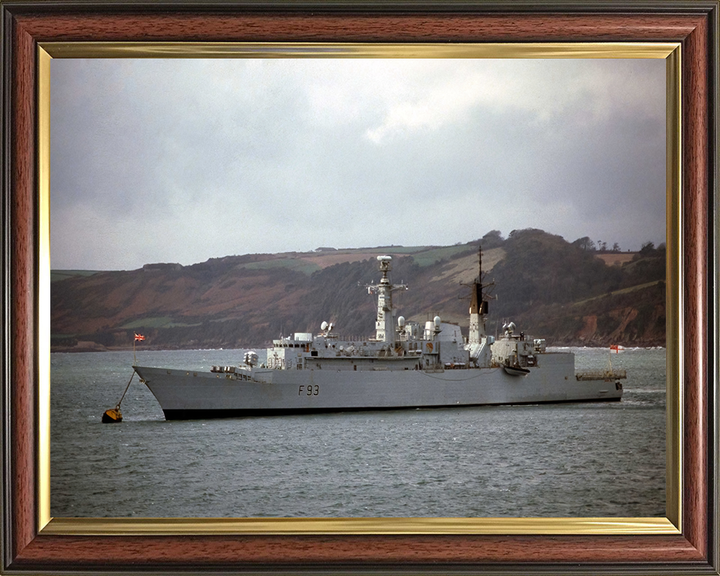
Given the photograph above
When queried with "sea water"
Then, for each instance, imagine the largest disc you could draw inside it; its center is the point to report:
(568, 460)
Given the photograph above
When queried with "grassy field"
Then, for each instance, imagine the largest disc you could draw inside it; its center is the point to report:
(291, 263)
(56, 275)
(430, 257)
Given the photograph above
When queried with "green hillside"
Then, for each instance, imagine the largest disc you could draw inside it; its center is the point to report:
(56, 275)
(549, 287)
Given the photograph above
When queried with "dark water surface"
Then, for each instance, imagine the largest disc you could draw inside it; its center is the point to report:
(587, 459)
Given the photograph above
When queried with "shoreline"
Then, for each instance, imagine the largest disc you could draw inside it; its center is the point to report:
(95, 347)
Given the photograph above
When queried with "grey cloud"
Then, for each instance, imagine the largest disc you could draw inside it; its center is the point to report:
(217, 161)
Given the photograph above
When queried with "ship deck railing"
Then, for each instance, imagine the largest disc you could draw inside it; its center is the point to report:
(601, 375)
(455, 365)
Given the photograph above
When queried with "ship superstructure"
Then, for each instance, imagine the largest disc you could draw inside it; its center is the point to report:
(406, 364)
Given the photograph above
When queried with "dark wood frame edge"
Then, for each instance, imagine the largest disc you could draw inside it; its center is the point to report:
(692, 23)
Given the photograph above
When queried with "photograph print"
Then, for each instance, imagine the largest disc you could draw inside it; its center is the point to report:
(358, 287)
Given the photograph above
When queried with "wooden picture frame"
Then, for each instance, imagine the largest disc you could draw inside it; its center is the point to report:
(27, 548)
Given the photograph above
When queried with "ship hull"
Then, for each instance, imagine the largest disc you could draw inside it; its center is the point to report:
(188, 394)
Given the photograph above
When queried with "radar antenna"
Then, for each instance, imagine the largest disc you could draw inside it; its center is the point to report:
(385, 321)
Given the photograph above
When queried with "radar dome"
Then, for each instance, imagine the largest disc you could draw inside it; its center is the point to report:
(323, 326)
(437, 320)
(401, 321)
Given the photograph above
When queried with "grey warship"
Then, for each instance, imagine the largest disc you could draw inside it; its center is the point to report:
(404, 365)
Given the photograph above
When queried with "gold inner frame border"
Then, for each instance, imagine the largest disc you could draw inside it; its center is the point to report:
(671, 524)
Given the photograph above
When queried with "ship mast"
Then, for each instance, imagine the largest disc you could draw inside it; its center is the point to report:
(385, 321)
(478, 306)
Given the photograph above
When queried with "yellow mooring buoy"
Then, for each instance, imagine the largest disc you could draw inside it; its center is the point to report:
(112, 415)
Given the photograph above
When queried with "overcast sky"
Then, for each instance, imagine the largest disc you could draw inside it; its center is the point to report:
(183, 160)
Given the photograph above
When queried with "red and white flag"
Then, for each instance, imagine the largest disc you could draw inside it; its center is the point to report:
(139, 337)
